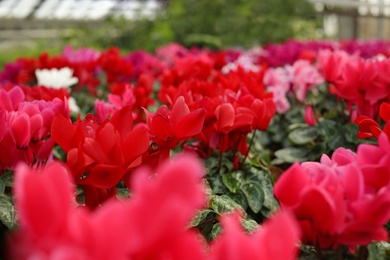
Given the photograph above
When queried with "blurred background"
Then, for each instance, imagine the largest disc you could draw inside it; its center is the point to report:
(29, 27)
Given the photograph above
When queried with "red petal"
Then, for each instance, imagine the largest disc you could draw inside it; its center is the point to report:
(225, 116)
(20, 130)
(179, 110)
(44, 199)
(123, 121)
(161, 127)
(103, 176)
(281, 229)
(384, 111)
(93, 149)
(376, 131)
(191, 124)
(105, 136)
(62, 132)
(317, 205)
(135, 144)
(289, 186)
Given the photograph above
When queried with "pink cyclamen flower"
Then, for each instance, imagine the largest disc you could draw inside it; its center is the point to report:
(304, 77)
(278, 83)
(263, 243)
(336, 202)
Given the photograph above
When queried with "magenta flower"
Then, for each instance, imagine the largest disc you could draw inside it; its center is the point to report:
(344, 200)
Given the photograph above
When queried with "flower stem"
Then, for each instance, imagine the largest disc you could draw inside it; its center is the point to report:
(249, 147)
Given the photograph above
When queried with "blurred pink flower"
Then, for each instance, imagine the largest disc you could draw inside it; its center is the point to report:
(263, 243)
(334, 201)
(278, 83)
(304, 77)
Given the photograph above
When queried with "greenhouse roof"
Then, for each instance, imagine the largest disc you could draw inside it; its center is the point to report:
(76, 9)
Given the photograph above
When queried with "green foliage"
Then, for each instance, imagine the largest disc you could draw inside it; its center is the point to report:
(7, 209)
(379, 250)
(291, 140)
(248, 190)
(212, 24)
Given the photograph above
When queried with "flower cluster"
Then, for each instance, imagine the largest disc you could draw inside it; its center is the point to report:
(100, 155)
(25, 127)
(363, 84)
(101, 182)
(52, 227)
(343, 200)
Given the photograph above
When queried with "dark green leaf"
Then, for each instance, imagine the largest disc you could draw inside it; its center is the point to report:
(216, 184)
(7, 211)
(249, 225)
(296, 126)
(336, 142)
(240, 198)
(6, 180)
(122, 193)
(223, 203)
(264, 181)
(254, 194)
(200, 217)
(292, 154)
(232, 180)
(379, 251)
(328, 128)
(215, 231)
(303, 135)
(211, 164)
(316, 151)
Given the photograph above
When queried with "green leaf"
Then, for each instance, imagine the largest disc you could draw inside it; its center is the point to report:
(316, 151)
(223, 203)
(249, 225)
(292, 154)
(122, 193)
(336, 142)
(240, 198)
(303, 135)
(263, 179)
(216, 184)
(327, 128)
(254, 195)
(6, 180)
(211, 164)
(379, 251)
(232, 180)
(296, 126)
(7, 211)
(215, 231)
(200, 217)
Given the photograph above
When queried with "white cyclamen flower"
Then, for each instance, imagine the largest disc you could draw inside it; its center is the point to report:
(56, 78)
(73, 105)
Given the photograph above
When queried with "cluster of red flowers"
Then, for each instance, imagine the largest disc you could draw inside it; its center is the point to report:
(363, 84)
(151, 225)
(205, 102)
